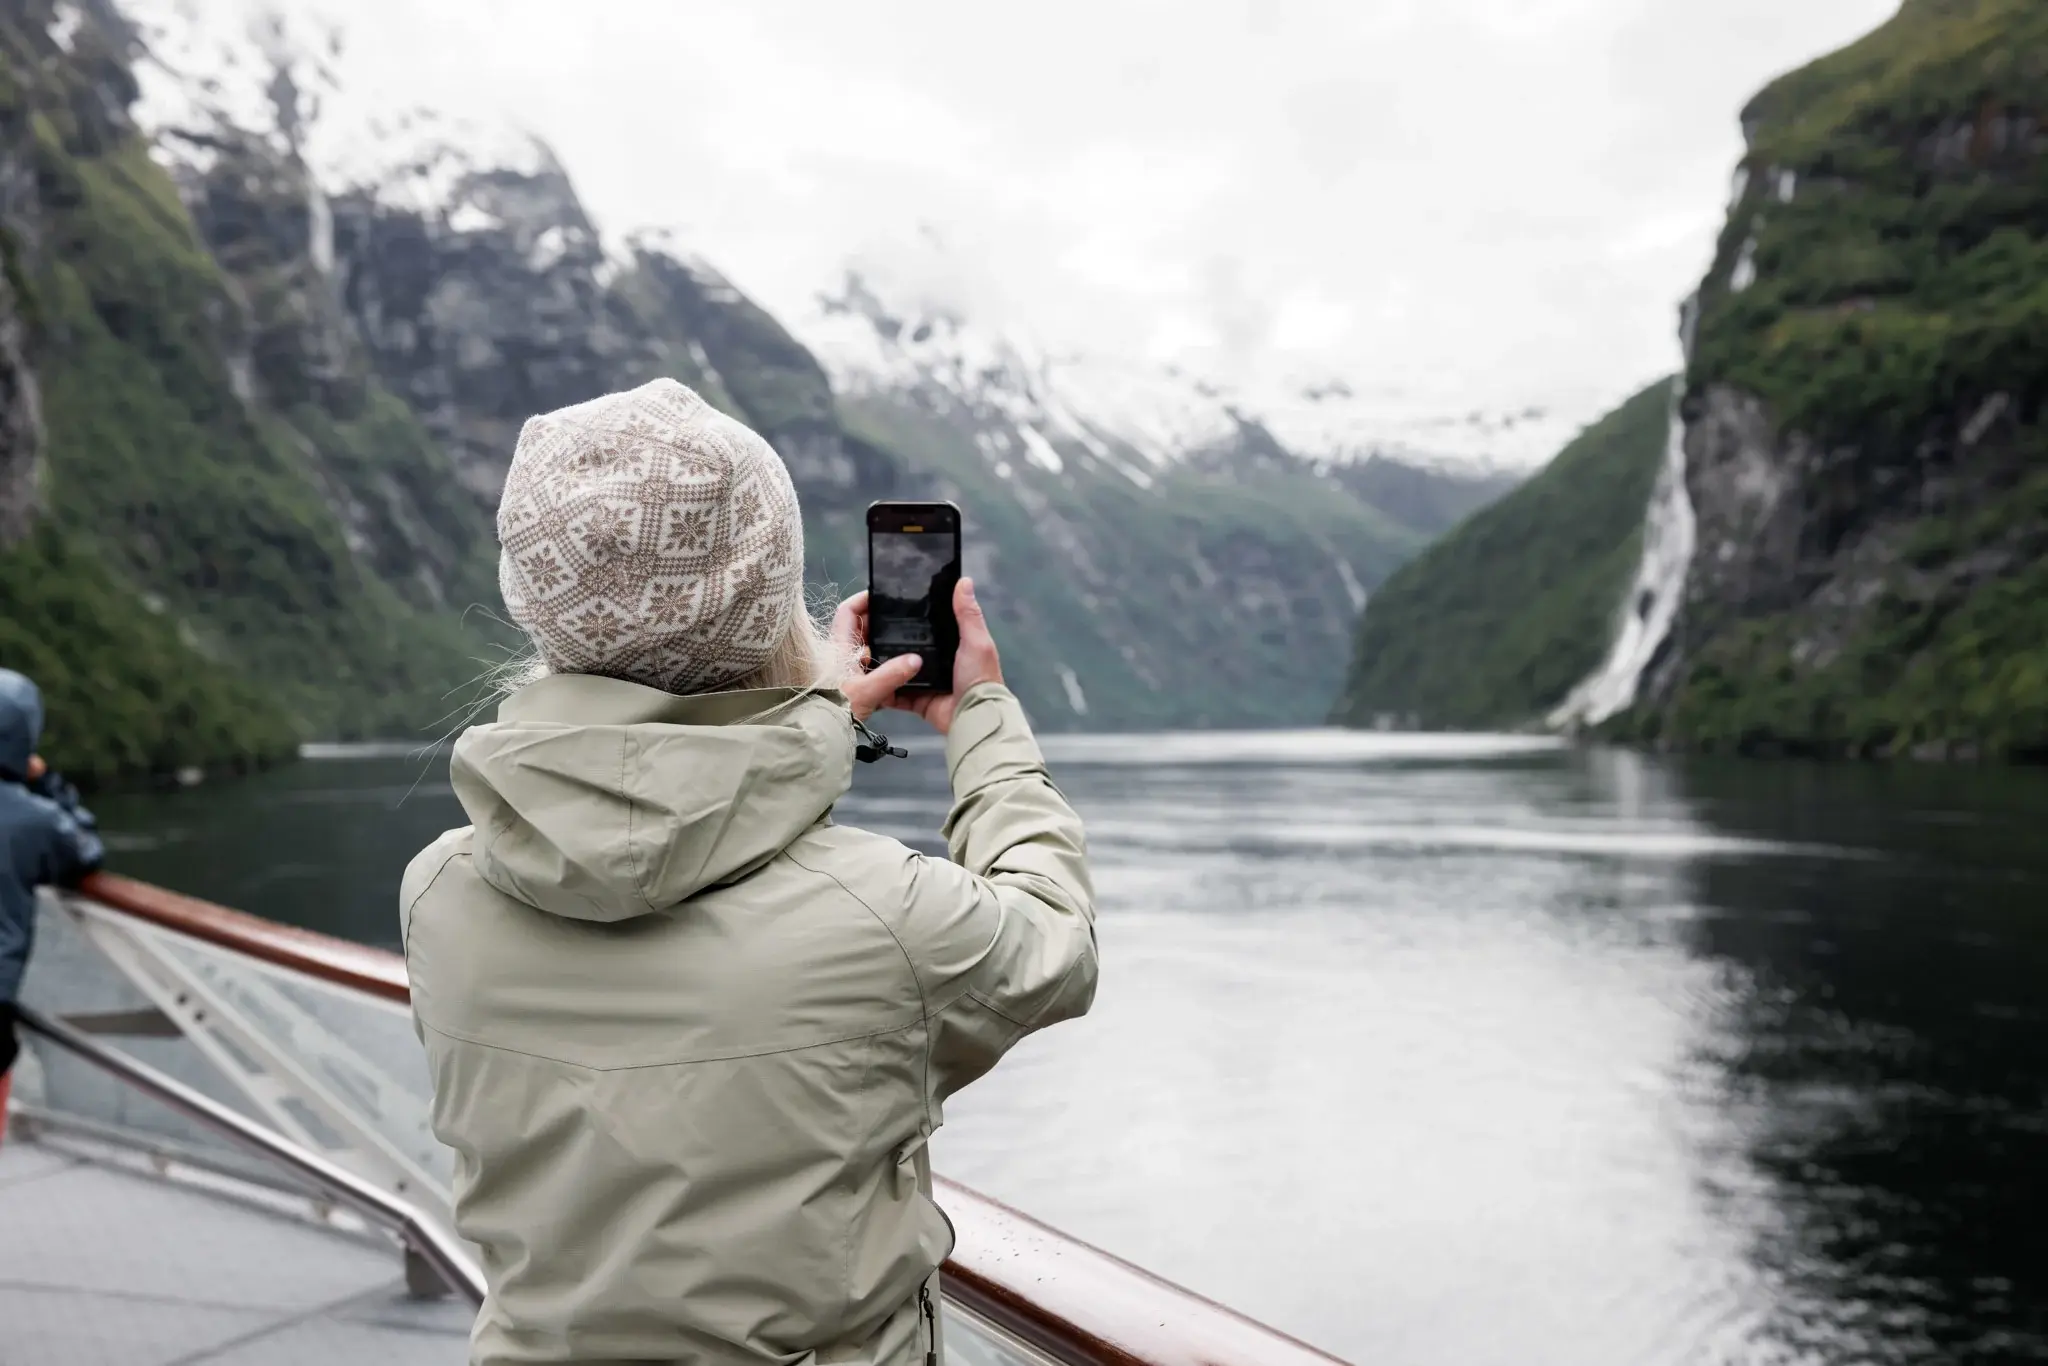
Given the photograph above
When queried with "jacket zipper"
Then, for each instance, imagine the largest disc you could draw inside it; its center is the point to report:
(924, 1293)
(931, 1324)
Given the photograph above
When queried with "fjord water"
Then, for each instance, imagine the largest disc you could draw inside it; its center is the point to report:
(1461, 1050)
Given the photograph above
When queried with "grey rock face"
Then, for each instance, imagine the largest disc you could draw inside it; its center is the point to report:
(1748, 490)
(21, 426)
(477, 330)
(1786, 525)
(509, 306)
(692, 322)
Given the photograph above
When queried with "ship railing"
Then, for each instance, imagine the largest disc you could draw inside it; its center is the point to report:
(310, 1061)
(424, 1238)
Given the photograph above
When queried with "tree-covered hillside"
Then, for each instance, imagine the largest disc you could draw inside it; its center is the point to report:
(1492, 625)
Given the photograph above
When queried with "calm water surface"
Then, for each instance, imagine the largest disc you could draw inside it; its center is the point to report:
(1463, 1050)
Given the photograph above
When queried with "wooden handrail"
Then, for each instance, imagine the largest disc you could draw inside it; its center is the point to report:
(375, 972)
(1073, 1302)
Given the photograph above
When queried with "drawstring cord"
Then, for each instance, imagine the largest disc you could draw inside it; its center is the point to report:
(873, 745)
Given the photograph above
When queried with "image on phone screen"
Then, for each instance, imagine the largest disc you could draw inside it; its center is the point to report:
(912, 570)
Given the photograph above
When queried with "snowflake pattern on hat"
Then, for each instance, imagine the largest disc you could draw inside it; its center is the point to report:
(648, 536)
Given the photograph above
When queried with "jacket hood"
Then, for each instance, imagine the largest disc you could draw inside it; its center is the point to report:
(598, 799)
(21, 723)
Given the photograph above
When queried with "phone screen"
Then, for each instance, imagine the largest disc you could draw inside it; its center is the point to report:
(913, 565)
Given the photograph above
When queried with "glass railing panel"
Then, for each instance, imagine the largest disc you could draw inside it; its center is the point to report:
(69, 977)
(973, 1341)
(361, 1051)
(269, 1030)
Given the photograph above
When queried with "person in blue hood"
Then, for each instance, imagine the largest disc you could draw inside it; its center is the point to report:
(46, 838)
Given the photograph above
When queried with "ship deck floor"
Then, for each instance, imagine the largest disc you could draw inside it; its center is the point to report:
(101, 1266)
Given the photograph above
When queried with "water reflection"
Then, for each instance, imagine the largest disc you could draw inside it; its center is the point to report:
(1463, 1050)
(1891, 1055)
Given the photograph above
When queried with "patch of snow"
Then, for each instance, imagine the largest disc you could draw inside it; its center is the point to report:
(1039, 451)
(1744, 274)
(549, 248)
(64, 25)
(1787, 186)
(609, 268)
(885, 333)
(702, 360)
(1076, 699)
(1352, 587)
(470, 218)
(320, 228)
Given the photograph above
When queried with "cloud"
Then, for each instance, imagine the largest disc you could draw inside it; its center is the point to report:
(1491, 204)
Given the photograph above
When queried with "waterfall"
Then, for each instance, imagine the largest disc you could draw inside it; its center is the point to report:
(319, 226)
(1651, 607)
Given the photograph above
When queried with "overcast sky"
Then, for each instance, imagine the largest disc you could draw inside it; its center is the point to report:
(1497, 202)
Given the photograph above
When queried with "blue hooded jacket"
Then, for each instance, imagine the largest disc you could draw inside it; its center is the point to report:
(45, 835)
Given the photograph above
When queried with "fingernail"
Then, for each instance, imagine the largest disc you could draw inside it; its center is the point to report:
(914, 662)
(968, 585)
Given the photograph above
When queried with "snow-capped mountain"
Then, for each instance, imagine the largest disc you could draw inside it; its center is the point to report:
(879, 331)
(1160, 549)
(288, 75)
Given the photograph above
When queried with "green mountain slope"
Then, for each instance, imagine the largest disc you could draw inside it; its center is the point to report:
(1492, 625)
(186, 546)
(1208, 598)
(126, 693)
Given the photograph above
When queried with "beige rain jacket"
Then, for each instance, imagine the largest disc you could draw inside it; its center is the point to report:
(689, 1038)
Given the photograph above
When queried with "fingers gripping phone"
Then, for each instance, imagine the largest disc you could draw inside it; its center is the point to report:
(913, 565)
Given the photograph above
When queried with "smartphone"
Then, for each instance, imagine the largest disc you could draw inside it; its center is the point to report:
(913, 565)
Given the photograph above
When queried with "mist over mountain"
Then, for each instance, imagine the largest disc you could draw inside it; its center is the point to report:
(271, 342)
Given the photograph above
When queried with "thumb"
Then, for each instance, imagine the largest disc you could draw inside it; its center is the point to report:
(967, 611)
(892, 674)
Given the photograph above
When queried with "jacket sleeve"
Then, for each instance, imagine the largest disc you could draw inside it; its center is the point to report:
(1008, 927)
(74, 847)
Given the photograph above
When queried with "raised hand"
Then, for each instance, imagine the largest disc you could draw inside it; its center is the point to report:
(867, 691)
(975, 662)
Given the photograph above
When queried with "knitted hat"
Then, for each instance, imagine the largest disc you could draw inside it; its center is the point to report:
(647, 536)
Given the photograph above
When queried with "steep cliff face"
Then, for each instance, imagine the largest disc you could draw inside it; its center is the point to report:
(21, 424)
(21, 418)
(1866, 446)
(455, 267)
(1845, 550)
